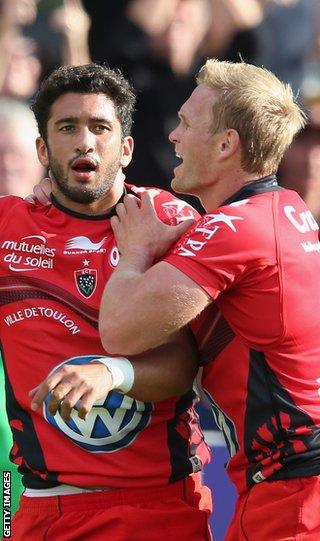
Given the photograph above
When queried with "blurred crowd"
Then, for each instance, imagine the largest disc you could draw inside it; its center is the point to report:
(159, 45)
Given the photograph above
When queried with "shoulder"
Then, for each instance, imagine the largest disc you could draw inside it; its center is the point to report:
(169, 208)
(6, 201)
(10, 204)
(242, 228)
(13, 208)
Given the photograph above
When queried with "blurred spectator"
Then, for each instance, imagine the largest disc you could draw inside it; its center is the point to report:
(158, 46)
(300, 168)
(276, 34)
(19, 165)
(311, 81)
(19, 66)
(72, 21)
(37, 36)
(21, 72)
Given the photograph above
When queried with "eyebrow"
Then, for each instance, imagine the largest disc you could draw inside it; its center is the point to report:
(75, 119)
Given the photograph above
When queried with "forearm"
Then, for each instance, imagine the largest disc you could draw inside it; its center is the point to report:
(166, 371)
(115, 313)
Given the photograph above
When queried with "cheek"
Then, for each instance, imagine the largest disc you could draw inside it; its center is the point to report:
(110, 153)
(60, 153)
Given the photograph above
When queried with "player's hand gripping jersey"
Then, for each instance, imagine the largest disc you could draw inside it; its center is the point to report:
(54, 265)
(254, 255)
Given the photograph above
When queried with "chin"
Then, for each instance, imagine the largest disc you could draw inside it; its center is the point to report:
(175, 185)
(178, 186)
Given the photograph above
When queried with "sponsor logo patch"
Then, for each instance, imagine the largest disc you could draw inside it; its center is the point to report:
(112, 424)
(28, 253)
(83, 245)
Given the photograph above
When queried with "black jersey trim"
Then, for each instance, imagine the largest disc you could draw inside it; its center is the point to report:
(95, 217)
(263, 185)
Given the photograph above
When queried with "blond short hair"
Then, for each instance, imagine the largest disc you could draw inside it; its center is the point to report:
(261, 108)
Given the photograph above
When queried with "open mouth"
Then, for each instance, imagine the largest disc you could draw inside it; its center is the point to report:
(84, 165)
(179, 160)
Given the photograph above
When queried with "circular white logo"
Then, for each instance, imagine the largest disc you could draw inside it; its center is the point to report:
(112, 424)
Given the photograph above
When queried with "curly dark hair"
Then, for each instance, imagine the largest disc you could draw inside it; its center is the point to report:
(88, 79)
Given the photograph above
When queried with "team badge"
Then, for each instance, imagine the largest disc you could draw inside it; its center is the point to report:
(112, 424)
(86, 281)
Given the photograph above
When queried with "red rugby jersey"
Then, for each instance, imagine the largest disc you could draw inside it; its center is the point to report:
(53, 267)
(258, 257)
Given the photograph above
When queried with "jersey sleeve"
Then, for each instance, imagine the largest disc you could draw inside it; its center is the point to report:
(169, 208)
(220, 249)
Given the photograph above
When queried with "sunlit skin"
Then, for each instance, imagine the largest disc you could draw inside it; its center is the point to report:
(85, 152)
(211, 163)
(193, 140)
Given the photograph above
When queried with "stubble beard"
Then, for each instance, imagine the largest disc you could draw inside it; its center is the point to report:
(85, 193)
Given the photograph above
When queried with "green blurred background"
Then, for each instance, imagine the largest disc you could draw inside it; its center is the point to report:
(5, 446)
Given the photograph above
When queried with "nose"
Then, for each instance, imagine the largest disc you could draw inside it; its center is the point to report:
(173, 135)
(85, 142)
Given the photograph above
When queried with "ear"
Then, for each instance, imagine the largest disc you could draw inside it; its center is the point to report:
(127, 150)
(229, 143)
(42, 152)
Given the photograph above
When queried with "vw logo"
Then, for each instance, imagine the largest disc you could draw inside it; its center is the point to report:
(112, 424)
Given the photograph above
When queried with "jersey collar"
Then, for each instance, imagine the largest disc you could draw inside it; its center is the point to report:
(263, 185)
(95, 217)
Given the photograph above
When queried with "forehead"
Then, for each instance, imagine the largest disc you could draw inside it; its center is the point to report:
(83, 106)
(199, 105)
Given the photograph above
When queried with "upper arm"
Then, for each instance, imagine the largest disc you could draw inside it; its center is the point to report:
(161, 301)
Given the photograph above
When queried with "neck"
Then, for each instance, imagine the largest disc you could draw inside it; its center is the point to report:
(212, 197)
(101, 206)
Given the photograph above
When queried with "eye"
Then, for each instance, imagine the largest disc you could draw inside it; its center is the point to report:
(67, 128)
(101, 128)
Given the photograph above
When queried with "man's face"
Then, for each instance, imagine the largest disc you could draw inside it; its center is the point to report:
(84, 151)
(194, 143)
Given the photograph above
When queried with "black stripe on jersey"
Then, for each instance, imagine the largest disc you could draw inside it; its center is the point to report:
(26, 452)
(281, 440)
(187, 448)
(221, 335)
(13, 289)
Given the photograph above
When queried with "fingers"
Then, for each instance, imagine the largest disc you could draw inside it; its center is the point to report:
(59, 394)
(33, 391)
(69, 402)
(147, 201)
(130, 204)
(184, 226)
(177, 231)
(31, 198)
(115, 222)
(87, 402)
(42, 191)
(69, 385)
(39, 393)
(121, 211)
